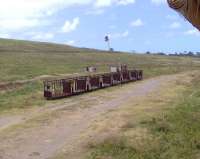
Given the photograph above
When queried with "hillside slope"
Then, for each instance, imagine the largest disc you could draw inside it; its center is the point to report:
(21, 60)
(26, 60)
(7, 45)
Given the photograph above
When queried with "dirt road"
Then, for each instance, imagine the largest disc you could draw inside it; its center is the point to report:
(46, 131)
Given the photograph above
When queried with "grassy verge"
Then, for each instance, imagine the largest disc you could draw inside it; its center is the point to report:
(174, 134)
(26, 96)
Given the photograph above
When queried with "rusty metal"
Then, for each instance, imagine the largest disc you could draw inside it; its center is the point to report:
(133, 75)
(140, 75)
(80, 84)
(54, 89)
(125, 76)
(94, 82)
(116, 78)
(106, 80)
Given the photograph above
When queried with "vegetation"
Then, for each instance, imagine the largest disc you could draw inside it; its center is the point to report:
(174, 134)
(23, 60)
(28, 95)
(181, 54)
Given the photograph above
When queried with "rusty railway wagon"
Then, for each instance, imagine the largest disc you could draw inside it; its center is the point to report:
(54, 89)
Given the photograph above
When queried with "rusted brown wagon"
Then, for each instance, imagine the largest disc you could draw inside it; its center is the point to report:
(116, 78)
(80, 84)
(106, 80)
(140, 75)
(94, 82)
(71, 86)
(133, 75)
(58, 88)
(125, 76)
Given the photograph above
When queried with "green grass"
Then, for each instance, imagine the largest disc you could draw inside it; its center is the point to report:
(25, 97)
(22, 60)
(174, 135)
(22, 66)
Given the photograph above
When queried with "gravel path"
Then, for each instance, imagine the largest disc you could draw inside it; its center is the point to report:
(43, 136)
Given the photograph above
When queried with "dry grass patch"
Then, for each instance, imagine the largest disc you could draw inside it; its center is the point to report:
(135, 139)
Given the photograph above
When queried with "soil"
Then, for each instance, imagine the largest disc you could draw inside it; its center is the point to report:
(44, 132)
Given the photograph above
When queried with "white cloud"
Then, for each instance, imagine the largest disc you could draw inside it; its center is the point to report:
(21, 14)
(103, 3)
(192, 32)
(107, 3)
(158, 2)
(172, 17)
(2, 35)
(175, 25)
(125, 2)
(125, 34)
(137, 23)
(95, 12)
(71, 42)
(18, 9)
(25, 14)
(43, 36)
(70, 26)
(16, 24)
(120, 35)
(34, 8)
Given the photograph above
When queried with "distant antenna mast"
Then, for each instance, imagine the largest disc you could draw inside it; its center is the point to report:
(108, 41)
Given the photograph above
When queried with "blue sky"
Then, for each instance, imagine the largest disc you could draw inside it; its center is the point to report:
(140, 25)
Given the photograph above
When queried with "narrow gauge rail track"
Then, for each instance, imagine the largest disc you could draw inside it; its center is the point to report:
(55, 89)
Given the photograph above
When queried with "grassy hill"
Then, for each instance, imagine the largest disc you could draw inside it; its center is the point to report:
(7, 45)
(22, 60)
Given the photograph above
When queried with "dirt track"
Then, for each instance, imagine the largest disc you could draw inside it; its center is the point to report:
(46, 131)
